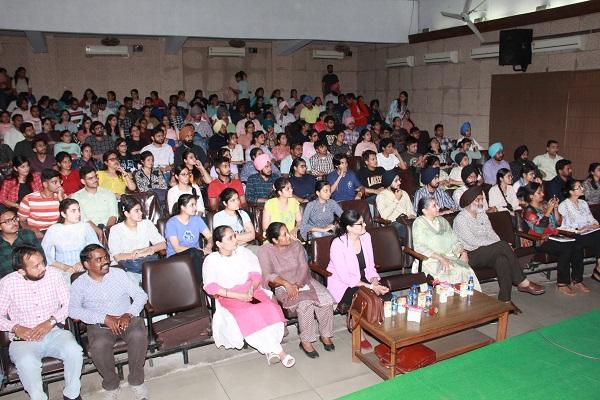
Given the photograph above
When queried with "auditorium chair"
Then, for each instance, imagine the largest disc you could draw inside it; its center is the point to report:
(52, 369)
(361, 206)
(393, 261)
(410, 181)
(151, 208)
(80, 332)
(174, 291)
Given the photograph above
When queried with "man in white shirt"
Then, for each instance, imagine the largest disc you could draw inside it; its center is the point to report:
(13, 135)
(285, 117)
(387, 159)
(546, 162)
(162, 152)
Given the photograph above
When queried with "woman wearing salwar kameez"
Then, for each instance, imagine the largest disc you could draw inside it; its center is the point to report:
(244, 309)
(433, 237)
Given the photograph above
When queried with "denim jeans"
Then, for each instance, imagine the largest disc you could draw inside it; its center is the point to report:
(57, 343)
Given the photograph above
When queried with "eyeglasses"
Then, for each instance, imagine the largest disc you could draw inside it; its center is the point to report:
(13, 220)
(184, 174)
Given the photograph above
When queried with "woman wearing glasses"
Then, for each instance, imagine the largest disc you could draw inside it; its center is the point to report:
(114, 177)
(576, 216)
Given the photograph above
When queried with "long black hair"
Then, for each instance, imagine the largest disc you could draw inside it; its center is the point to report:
(126, 204)
(63, 206)
(348, 218)
(194, 171)
(278, 186)
(17, 161)
(591, 170)
(224, 198)
(273, 231)
(526, 192)
(219, 234)
(183, 201)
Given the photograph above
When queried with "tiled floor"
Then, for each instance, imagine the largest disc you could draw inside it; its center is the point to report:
(226, 374)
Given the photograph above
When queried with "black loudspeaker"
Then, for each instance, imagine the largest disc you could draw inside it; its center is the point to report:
(515, 48)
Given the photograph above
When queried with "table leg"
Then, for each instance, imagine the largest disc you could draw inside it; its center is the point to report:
(502, 326)
(393, 361)
(356, 342)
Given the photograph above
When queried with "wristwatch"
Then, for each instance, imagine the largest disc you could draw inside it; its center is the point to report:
(53, 321)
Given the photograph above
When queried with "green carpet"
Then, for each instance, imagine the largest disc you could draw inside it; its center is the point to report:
(523, 367)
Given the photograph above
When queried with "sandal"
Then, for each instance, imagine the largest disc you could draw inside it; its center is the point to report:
(272, 358)
(288, 361)
(581, 287)
(565, 289)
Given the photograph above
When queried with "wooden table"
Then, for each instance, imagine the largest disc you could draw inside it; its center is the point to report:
(440, 331)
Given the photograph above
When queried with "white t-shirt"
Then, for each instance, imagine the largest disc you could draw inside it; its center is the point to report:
(163, 156)
(237, 154)
(174, 193)
(122, 239)
(234, 171)
(222, 218)
(387, 163)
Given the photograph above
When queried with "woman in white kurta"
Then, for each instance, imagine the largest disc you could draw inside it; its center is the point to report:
(245, 310)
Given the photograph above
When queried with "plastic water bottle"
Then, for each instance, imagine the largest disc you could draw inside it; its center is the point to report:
(470, 286)
(429, 297)
(394, 305)
(414, 291)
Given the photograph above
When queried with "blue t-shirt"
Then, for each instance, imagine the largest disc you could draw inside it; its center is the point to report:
(346, 189)
(188, 235)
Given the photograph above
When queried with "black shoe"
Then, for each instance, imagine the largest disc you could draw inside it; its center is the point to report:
(76, 398)
(328, 347)
(310, 354)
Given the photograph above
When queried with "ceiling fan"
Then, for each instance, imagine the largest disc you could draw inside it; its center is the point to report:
(464, 16)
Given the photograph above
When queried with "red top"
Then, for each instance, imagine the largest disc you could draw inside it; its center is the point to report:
(10, 188)
(360, 112)
(216, 187)
(71, 183)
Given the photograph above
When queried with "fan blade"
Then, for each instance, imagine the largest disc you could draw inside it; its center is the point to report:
(467, 6)
(472, 26)
(452, 15)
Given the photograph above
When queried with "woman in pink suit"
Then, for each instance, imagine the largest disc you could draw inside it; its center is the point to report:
(351, 262)
(245, 311)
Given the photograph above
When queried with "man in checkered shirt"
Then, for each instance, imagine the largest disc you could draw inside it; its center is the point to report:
(34, 303)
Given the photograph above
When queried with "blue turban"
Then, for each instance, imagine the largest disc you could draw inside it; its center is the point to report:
(268, 123)
(465, 127)
(428, 174)
(493, 149)
(307, 99)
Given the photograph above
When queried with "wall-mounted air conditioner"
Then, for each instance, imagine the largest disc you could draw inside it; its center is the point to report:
(490, 51)
(400, 62)
(446, 57)
(121, 51)
(328, 54)
(226, 52)
(567, 43)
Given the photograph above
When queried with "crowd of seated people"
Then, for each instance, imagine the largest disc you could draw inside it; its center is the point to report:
(279, 167)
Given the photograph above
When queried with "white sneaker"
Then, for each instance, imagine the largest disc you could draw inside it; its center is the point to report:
(111, 394)
(140, 392)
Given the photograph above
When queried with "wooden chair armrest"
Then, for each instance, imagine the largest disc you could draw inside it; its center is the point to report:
(528, 236)
(414, 254)
(319, 270)
(260, 237)
(382, 221)
(566, 233)
(149, 309)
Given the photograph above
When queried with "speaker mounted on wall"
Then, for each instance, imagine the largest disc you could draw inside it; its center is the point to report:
(515, 48)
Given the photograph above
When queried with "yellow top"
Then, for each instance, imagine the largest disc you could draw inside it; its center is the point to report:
(113, 183)
(287, 216)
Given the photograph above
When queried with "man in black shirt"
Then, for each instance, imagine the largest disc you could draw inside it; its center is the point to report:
(371, 176)
(330, 79)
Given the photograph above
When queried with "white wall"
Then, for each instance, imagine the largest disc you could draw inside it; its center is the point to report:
(430, 17)
(377, 21)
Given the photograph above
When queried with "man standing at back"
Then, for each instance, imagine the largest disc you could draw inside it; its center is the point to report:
(547, 162)
(330, 82)
(34, 303)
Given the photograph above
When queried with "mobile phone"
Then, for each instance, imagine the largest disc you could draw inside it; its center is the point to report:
(255, 301)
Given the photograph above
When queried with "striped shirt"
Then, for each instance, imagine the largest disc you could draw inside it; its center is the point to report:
(40, 212)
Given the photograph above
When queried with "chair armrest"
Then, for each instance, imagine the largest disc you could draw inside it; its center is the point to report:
(414, 254)
(528, 236)
(149, 309)
(381, 221)
(260, 237)
(319, 270)
(566, 233)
